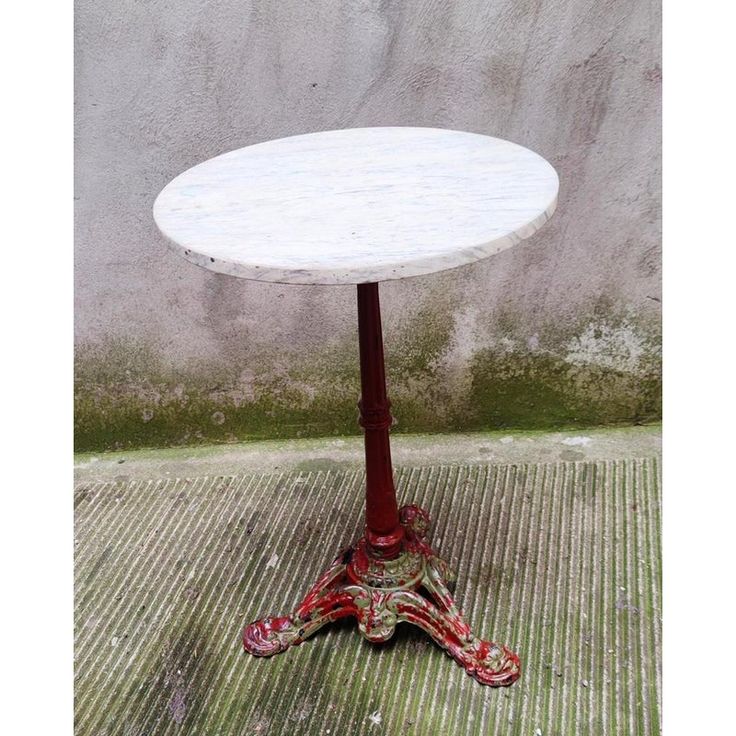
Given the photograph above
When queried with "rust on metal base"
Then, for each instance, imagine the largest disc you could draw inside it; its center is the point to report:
(413, 587)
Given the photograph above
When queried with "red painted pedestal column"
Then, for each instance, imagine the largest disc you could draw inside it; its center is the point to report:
(384, 533)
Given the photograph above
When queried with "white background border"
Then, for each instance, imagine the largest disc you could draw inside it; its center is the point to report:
(36, 382)
(700, 368)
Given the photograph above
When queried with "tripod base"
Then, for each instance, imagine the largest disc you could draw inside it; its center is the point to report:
(414, 587)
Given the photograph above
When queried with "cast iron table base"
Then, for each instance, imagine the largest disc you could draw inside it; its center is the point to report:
(391, 575)
(414, 588)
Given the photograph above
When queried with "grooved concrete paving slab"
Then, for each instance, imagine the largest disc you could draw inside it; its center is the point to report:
(561, 561)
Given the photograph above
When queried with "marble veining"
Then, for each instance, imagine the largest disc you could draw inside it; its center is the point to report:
(357, 205)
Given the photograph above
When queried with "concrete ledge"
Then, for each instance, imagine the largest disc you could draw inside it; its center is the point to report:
(346, 453)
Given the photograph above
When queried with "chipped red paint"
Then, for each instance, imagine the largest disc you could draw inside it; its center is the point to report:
(382, 579)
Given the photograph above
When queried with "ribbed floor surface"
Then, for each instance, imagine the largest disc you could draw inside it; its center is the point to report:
(561, 562)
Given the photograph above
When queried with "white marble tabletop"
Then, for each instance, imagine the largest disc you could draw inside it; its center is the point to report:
(357, 205)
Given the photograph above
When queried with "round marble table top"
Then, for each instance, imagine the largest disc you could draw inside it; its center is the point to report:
(357, 205)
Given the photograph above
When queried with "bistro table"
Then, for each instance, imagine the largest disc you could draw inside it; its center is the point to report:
(360, 206)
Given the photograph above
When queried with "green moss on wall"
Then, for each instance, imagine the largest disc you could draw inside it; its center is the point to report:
(126, 397)
(604, 370)
(542, 391)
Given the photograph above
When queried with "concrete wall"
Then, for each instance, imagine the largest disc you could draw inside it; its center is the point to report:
(560, 330)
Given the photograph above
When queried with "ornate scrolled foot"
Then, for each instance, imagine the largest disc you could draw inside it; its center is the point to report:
(491, 664)
(272, 635)
(326, 601)
(269, 636)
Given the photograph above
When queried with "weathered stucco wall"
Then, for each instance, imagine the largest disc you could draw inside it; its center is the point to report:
(560, 330)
